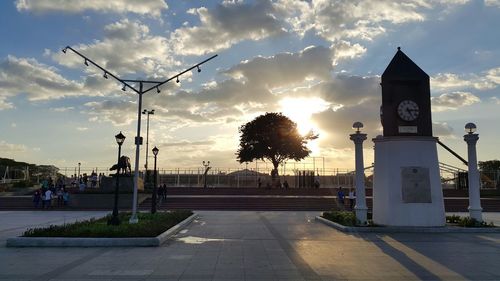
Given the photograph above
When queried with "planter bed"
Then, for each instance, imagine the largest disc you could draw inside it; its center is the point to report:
(151, 231)
(407, 229)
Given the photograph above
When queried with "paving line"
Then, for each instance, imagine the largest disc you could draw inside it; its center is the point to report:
(302, 266)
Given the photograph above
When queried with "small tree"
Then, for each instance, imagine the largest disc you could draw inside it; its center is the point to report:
(274, 137)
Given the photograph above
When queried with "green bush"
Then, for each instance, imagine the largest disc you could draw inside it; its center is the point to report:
(150, 225)
(471, 222)
(452, 219)
(342, 217)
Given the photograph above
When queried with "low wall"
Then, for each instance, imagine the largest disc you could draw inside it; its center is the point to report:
(108, 184)
(104, 201)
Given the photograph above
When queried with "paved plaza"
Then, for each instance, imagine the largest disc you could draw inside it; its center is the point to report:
(223, 245)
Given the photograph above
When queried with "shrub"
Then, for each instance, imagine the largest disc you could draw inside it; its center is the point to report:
(342, 217)
(452, 219)
(471, 222)
(150, 225)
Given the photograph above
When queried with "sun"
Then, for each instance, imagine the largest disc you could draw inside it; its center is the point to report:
(300, 111)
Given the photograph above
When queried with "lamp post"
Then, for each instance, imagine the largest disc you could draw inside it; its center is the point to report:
(120, 138)
(207, 167)
(147, 112)
(360, 207)
(132, 84)
(153, 204)
(79, 164)
(475, 210)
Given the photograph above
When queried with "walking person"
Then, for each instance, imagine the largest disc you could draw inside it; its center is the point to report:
(48, 198)
(340, 198)
(352, 196)
(66, 198)
(59, 194)
(36, 198)
(164, 192)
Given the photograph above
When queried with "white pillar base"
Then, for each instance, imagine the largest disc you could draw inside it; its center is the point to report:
(361, 214)
(399, 199)
(476, 213)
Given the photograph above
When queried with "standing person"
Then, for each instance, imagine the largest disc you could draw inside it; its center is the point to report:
(59, 194)
(352, 196)
(259, 183)
(164, 192)
(36, 198)
(285, 184)
(48, 198)
(340, 198)
(66, 198)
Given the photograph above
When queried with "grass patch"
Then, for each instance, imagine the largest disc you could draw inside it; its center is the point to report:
(150, 225)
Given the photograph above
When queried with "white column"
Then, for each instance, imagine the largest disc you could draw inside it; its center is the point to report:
(360, 207)
(475, 209)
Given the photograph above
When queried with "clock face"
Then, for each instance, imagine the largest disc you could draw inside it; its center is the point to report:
(408, 110)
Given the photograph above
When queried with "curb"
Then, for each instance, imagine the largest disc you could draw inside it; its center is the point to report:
(406, 229)
(99, 242)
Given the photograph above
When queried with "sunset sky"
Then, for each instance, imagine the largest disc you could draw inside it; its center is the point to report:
(318, 62)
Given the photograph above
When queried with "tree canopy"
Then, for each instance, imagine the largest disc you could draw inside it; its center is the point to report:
(274, 137)
(489, 166)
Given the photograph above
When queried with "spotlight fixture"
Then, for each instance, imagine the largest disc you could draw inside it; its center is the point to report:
(86, 62)
(177, 79)
(105, 75)
(199, 69)
(158, 90)
(64, 50)
(124, 88)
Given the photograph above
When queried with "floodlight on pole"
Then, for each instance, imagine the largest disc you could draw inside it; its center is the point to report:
(140, 91)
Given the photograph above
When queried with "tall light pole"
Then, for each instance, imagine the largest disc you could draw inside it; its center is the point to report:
(153, 204)
(147, 112)
(115, 220)
(132, 84)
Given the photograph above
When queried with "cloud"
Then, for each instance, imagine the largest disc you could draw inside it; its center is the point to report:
(62, 109)
(11, 149)
(145, 7)
(82, 129)
(453, 101)
(36, 80)
(492, 3)
(486, 80)
(442, 130)
(116, 112)
(226, 25)
(187, 143)
(344, 19)
(127, 48)
(495, 100)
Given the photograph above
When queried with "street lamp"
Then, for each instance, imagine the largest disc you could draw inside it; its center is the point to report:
(147, 112)
(120, 138)
(207, 167)
(153, 204)
(132, 84)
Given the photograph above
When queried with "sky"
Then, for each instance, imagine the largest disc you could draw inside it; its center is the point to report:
(318, 62)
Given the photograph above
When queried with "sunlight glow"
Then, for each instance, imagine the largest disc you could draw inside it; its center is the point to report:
(300, 111)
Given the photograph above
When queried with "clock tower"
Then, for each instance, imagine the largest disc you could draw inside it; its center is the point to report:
(406, 98)
(407, 184)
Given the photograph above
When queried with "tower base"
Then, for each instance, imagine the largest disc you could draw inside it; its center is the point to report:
(407, 187)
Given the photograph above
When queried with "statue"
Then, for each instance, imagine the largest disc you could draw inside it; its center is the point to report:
(122, 166)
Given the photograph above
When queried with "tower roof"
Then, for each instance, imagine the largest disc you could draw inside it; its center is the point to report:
(402, 67)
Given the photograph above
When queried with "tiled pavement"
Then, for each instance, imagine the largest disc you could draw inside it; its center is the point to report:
(256, 246)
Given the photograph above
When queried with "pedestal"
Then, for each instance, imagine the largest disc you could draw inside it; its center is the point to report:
(407, 187)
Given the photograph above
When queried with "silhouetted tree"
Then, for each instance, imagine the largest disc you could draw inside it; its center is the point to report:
(490, 171)
(274, 137)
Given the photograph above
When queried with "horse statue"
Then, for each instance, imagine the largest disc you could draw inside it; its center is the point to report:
(123, 166)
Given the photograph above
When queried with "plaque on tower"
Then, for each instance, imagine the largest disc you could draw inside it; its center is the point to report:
(416, 185)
